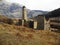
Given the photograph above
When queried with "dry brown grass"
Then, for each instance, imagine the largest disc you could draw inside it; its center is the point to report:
(19, 35)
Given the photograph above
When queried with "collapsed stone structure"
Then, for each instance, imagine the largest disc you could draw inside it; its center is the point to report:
(54, 17)
(39, 22)
(49, 21)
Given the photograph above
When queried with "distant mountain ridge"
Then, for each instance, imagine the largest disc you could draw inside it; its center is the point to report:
(15, 11)
(34, 13)
(54, 13)
(9, 9)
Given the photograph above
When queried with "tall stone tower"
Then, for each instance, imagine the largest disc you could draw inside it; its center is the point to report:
(24, 13)
(24, 16)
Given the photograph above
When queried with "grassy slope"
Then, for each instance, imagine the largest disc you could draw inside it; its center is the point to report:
(18, 35)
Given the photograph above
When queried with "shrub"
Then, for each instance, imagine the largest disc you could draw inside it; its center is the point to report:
(9, 21)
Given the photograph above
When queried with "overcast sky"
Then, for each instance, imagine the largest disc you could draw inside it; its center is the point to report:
(46, 5)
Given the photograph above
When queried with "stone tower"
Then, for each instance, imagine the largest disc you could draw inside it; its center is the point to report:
(24, 16)
(24, 13)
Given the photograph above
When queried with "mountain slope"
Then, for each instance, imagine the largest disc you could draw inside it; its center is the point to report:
(34, 13)
(15, 10)
(10, 9)
(54, 13)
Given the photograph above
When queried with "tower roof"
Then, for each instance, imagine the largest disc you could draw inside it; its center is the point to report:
(24, 7)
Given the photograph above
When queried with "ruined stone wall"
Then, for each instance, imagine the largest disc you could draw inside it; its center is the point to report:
(46, 24)
(55, 23)
(40, 22)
